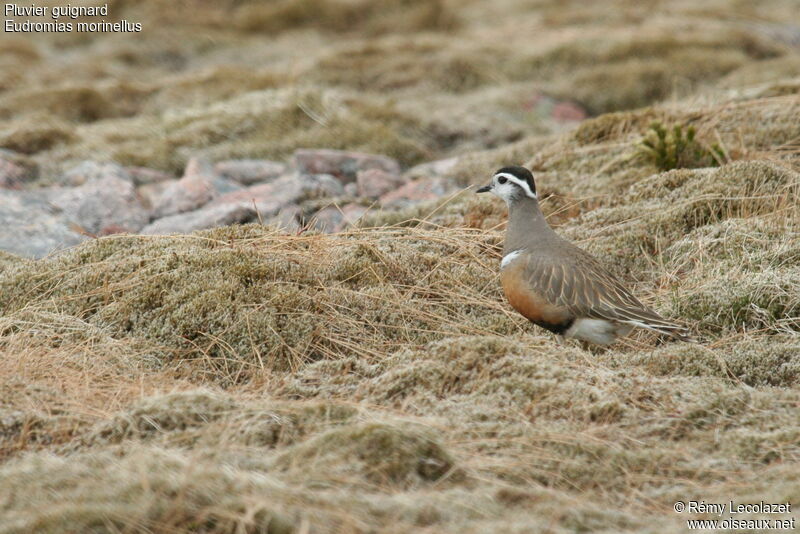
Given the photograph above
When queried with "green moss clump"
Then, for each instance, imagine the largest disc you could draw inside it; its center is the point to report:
(677, 148)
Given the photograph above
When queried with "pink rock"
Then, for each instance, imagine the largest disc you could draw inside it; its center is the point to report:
(351, 189)
(352, 214)
(327, 219)
(287, 219)
(11, 174)
(150, 194)
(206, 217)
(88, 171)
(146, 175)
(194, 190)
(418, 191)
(432, 168)
(372, 183)
(335, 219)
(342, 164)
(250, 171)
(558, 110)
(101, 206)
(568, 111)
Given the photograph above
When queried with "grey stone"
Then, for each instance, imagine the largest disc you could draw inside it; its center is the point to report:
(87, 171)
(287, 219)
(31, 228)
(351, 189)
(150, 194)
(225, 185)
(206, 217)
(250, 171)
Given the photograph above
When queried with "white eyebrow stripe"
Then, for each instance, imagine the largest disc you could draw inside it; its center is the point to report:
(523, 184)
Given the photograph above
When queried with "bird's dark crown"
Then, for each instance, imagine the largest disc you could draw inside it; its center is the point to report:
(520, 172)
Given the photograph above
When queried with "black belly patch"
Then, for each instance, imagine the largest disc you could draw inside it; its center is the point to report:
(556, 328)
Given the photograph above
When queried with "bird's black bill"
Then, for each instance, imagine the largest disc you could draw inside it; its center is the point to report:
(484, 189)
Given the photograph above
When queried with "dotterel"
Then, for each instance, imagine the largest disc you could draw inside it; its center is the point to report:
(557, 285)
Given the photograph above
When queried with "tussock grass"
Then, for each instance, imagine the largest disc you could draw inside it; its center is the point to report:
(287, 300)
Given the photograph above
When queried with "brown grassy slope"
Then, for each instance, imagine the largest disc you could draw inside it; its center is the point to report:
(375, 380)
(416, 80)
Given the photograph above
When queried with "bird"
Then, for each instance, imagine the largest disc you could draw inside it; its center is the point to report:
(557, 285)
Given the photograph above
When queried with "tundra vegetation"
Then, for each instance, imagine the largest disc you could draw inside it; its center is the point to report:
(245, 379)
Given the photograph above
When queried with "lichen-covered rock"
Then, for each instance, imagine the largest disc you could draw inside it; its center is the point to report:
(105, 204)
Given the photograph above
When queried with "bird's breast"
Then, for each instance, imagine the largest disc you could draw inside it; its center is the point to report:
(529, 302)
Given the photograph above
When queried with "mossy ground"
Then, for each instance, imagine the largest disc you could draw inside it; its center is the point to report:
(246, 380)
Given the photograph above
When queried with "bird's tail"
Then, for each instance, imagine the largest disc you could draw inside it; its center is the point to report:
(650, 320)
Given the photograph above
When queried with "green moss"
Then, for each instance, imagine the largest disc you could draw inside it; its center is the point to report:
(32, 136)
(383, 454)
(774, 361)
(370, 17)
(79, 103)
(7, 260)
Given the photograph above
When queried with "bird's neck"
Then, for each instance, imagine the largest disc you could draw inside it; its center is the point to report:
(527, 226)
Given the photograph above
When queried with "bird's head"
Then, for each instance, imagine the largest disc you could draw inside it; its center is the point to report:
(511, 184)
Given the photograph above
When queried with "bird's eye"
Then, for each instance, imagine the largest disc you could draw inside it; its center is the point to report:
(502, 180)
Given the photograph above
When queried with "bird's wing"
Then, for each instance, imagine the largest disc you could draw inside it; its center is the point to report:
(580, 284)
